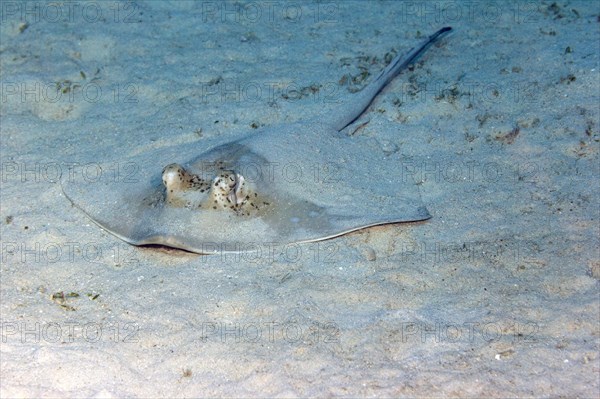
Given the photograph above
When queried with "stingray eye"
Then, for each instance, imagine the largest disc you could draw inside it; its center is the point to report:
(173, 175)
(235, 195)
(228, 190)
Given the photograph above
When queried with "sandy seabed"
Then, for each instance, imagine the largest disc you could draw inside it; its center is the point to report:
(497, 295)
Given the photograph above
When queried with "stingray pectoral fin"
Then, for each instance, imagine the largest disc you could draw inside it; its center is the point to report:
(108, 205)
(139, 214)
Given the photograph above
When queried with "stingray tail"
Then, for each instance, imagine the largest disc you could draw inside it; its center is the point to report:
(361, 100)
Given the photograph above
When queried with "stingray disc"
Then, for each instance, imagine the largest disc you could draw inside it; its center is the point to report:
(286, 184)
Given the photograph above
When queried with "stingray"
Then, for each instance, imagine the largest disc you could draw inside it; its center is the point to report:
(287, 184)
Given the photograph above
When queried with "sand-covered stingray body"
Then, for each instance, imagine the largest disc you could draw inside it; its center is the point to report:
(284, 184)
